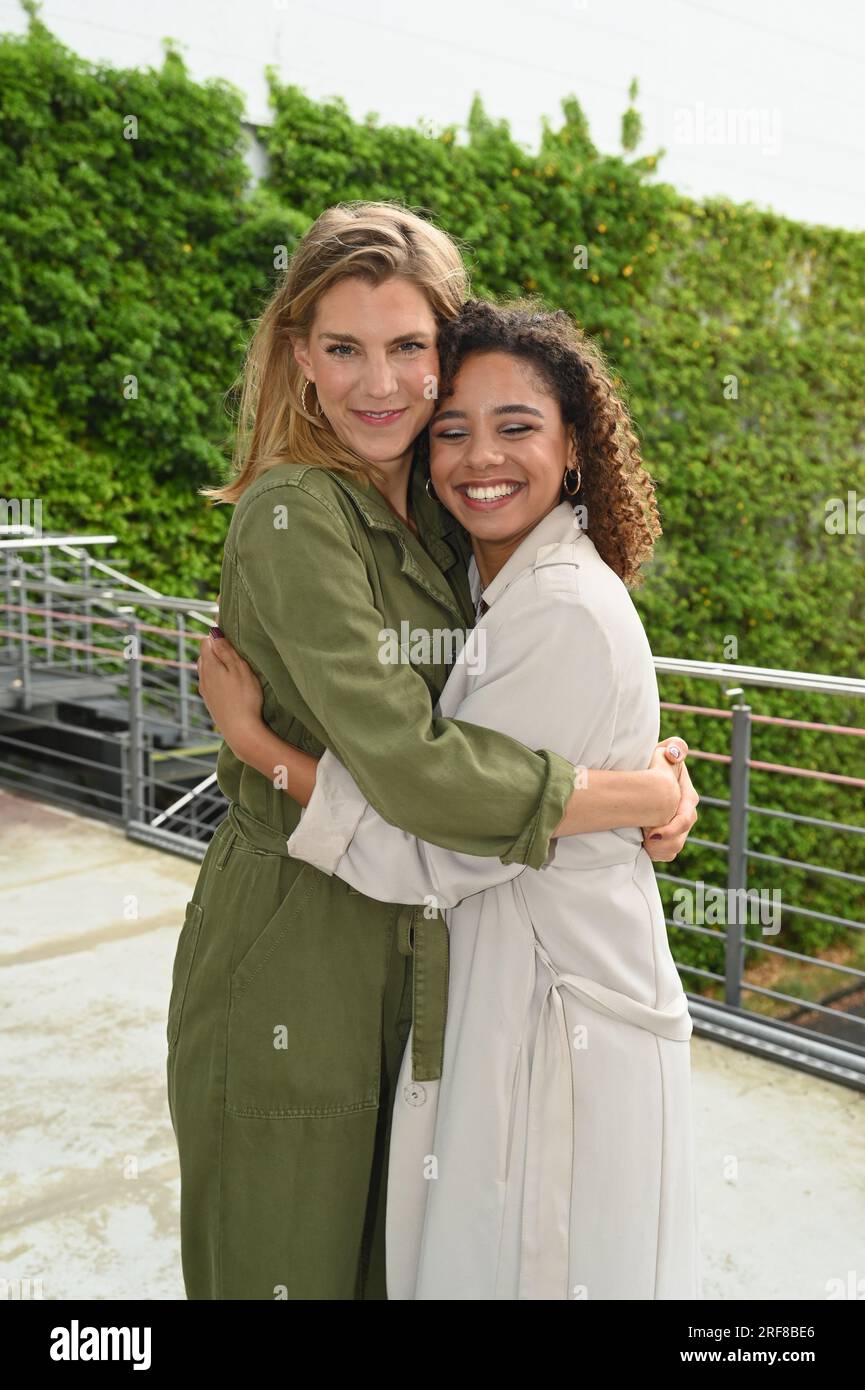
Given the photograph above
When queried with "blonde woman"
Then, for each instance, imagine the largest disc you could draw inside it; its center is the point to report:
(293, 994)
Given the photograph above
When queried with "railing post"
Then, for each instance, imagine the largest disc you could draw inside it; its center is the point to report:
(737, 859)
(184, 678)
(47, 602)
(135, 746)
(8, 642)
(26, 684)
(88, 613)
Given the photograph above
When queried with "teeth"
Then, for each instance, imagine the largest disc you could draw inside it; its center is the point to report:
(489, 494)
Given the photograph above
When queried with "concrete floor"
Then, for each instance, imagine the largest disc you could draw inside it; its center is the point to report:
(88, 927)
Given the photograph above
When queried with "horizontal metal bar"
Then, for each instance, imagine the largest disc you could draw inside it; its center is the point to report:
(113, 654)
(809, 1005)
(739, 675)
(751, 944)
(132, 598)
(94, 812)
(809, 912)
(49, 542)
(57, 754)
(698, 970)
(124, 579)
(805, 867)
(708, 844)
(790, 1044)
(839, 779)
(18, 717)
(67, 645)
(776, 720)
(168, 839)
(700, 931)
(816, 916)
(800, 819)
(761, 676)
(173, 787)
(58, 616)
(185, 753)
(60, 782)
(782, 815)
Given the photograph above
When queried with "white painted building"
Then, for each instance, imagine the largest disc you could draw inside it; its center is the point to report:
(763, 102)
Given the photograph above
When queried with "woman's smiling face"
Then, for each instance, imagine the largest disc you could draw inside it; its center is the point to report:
(499, 448)
(372, 354)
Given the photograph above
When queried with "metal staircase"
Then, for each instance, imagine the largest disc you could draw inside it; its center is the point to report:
(98, 708)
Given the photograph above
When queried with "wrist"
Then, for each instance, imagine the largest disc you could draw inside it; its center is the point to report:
(246, 741)
(667, 794)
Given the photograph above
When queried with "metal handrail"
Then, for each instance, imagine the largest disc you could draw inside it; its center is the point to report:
(158, 695)
(32, 540)
(761, 676)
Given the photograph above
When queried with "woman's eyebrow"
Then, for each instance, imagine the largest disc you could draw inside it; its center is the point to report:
(401, 338)
(499, 410)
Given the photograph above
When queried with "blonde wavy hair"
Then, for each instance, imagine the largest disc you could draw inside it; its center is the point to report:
(374, 241)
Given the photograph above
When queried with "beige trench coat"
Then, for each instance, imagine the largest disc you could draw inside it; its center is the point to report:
(554, 1159)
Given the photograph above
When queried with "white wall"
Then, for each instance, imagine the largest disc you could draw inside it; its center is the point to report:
(800, 69)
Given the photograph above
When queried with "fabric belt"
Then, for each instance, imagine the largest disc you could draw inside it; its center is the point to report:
(260, 835)
(425, 939)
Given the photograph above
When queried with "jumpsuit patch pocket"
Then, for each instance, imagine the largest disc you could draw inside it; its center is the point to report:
(304, 1021)
(183, 958)
(257, 955)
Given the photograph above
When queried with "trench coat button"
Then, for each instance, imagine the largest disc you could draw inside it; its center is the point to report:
(415, 1094)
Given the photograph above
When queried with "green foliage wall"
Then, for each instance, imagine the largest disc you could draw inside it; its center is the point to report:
(736, 331)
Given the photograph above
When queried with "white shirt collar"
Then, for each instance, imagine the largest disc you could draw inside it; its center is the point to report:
(559, 527)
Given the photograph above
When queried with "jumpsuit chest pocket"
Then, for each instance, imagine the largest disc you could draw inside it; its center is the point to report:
(183, 959)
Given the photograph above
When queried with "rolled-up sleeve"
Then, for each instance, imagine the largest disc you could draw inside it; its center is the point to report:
(341, 834)
(538, 669)
(450, 782)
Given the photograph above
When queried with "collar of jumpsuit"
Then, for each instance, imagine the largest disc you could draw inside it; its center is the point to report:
(439, 537)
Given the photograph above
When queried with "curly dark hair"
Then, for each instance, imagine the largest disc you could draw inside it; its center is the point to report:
(615, 488)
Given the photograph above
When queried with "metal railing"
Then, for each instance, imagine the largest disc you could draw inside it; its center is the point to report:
(825, 1036)
(98, 707)
(98, 711)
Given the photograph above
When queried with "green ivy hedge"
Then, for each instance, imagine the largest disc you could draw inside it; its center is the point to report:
(735, 332)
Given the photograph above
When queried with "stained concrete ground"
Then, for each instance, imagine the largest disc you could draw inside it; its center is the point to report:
(90, 1188)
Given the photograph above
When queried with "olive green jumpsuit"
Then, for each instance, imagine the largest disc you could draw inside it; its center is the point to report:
(292, 994)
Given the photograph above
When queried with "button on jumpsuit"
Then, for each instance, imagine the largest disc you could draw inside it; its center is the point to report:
(292, 994)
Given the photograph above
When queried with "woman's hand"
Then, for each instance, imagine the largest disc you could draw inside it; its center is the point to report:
(664, 842)
(231, 691)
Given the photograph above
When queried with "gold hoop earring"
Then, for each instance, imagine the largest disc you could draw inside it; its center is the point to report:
(572, 491)
(430, 491)
(303, 400)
